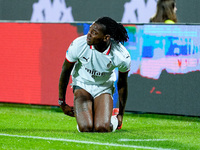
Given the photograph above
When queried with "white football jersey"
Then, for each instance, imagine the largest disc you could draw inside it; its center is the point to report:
(94, 67)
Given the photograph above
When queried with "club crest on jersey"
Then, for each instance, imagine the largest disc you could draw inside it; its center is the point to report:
(109, 64)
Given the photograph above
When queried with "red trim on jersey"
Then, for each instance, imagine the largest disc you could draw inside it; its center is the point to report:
(109, 50)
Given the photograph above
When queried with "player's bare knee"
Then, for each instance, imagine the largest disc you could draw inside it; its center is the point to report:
(86, 128)
(103, 127)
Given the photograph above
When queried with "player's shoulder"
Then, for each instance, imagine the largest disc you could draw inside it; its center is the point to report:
(78, 44)
(76, 48)
(121, 57)
(80, 40)
(120, 50)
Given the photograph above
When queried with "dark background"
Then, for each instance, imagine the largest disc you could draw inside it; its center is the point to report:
(89, 10)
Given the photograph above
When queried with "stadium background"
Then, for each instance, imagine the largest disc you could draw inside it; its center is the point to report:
(89, 10)
(33, 53)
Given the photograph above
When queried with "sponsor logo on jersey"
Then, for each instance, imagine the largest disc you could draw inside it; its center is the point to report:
(95, 73)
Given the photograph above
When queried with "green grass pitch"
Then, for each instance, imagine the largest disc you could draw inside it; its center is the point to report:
(31, 127)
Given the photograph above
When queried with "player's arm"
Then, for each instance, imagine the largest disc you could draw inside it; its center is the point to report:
(63, 82)
(122, 86)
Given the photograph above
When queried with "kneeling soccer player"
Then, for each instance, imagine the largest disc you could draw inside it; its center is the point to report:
(91, 60)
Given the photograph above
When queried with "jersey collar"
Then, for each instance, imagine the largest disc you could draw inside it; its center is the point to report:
(106, 52)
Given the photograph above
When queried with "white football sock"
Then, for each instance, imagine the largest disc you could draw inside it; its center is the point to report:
(78, 129)
(114, 122)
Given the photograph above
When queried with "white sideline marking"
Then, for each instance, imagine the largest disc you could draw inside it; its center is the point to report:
(83, 142)
(143, 140)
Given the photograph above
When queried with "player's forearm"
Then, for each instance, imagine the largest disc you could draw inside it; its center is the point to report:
(122, 85)
(62, 92)
(123, 92)
(63, 82)
(64, 78)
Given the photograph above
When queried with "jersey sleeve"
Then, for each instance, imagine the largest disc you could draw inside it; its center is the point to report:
(125, 65)
(71, 54)
(124, 59)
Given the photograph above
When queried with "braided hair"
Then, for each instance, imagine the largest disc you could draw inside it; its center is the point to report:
(114, 29)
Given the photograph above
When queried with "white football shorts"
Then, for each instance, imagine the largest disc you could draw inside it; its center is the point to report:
(95, 90)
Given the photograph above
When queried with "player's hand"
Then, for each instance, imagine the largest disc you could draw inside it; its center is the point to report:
(120, 118)
(68, 110)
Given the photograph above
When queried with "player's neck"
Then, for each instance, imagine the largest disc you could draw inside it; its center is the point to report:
(102, 47)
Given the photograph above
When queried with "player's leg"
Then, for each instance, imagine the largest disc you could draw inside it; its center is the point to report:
(103, 106)
(83, 108)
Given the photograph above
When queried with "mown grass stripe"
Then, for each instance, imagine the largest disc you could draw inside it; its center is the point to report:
(142, 140)
(84, 142)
